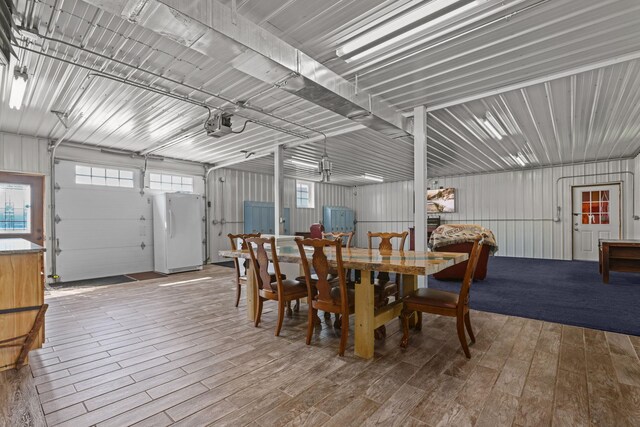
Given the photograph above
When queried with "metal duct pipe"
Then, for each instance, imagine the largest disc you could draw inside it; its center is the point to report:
(234, 40)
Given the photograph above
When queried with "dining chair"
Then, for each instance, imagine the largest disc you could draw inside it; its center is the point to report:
(333, 273)
(429, 300)
(281, 290)
(322, 294)
(384, 287)
(240, 278)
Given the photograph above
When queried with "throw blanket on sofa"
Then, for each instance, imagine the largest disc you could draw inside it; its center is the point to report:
(450, 234)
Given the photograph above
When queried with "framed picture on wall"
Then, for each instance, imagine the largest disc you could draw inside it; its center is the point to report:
(441, 200)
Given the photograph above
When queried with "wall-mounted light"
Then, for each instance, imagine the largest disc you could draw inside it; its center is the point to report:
(370, 177)
(18, 88)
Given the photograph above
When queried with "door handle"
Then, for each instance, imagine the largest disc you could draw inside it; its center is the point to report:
(170, 224)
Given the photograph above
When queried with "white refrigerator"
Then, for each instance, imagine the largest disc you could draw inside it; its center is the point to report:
(177, 232)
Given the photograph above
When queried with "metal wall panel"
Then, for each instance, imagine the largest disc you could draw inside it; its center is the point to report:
(228, 197)
(519, 206)
(20, 153)
(383, 207)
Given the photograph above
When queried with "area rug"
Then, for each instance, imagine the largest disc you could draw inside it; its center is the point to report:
(111, 280)
(568, 292)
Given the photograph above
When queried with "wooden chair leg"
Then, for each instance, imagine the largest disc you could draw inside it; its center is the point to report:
(327, 316)
(344, 335)
(338, 322)
(280, 316)
(289, 311)
(296, 307)
(238, 289)
(310, 322)
(404, 341)
(418, 326)
(259, 311)
(31, 336)
(462, 337)
(467, 322)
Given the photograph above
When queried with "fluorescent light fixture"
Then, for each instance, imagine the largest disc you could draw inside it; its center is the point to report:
(387, 30)
(18, 88)
(520, 159)
(309, 165)
(491, 129)
(373, 177)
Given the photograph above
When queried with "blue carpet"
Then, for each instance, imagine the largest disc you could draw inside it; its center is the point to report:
(569, 292)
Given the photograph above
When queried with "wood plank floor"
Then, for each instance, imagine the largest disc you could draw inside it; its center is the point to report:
(176, 351)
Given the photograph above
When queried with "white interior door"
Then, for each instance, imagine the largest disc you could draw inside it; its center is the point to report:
(596, 215)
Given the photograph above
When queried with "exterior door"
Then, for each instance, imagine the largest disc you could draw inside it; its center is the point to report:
(21, 207)
(596, 215)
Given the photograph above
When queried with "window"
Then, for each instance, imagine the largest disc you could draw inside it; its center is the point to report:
(15, 212)
(103, 176)
(304, 194)
(595, 207)
(158, 181)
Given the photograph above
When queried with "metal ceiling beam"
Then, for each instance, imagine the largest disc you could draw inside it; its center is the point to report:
(232, 39)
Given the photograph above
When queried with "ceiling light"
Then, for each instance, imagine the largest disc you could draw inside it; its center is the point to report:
(18, 88)
(395, 30)
(520, 159)
(370, 177)
(325, 167)
(491, 129)
(303, 163)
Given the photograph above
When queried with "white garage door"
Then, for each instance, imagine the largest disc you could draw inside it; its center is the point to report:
(103, 230)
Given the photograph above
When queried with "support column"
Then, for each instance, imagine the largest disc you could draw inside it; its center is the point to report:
(278, 182)
(420, 179)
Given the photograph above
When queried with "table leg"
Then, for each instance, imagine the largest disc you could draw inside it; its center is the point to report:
(252, 292)
(409, 284)
(364, 339)
(605, 263)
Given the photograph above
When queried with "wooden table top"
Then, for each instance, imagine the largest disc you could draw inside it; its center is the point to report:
(405, 262)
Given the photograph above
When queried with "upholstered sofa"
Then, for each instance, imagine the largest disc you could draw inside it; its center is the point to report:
(459, 238)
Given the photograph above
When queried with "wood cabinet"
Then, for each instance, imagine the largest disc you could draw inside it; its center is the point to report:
(619, 255)
(21, 298)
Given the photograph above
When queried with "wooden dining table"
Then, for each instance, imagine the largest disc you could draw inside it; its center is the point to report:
(410, 264)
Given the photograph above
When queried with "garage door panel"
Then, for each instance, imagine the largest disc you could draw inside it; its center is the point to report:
(88, 234)
(101, 204)
(86, 264)
(100, 231)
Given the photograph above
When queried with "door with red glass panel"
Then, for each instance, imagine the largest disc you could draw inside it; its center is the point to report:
(596, 215)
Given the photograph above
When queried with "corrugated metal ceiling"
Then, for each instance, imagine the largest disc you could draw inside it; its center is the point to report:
(593, 115)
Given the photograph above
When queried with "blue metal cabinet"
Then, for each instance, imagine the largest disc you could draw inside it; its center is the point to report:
(338, 219)
(259, 217)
